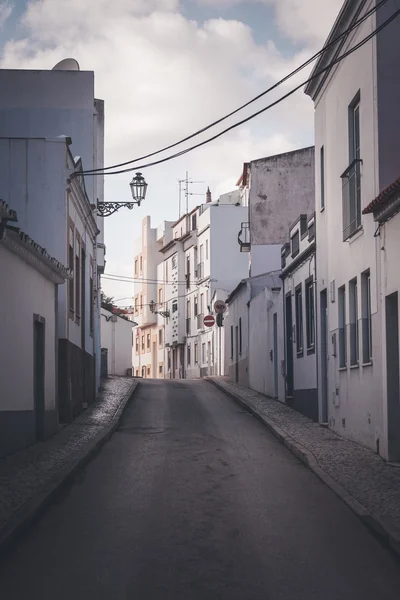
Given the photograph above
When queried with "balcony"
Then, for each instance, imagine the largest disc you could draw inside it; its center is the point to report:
(351, 199)
(244, 237)
(200, 321)
(200, 271)
(188, 327)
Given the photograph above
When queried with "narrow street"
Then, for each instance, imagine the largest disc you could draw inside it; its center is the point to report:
(193, 498)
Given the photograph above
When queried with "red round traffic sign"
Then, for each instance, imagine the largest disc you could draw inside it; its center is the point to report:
(209, 321)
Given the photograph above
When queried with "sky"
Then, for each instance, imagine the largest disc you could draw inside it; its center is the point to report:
(166, 68)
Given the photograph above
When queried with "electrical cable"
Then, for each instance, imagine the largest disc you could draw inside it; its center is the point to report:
(213, 124)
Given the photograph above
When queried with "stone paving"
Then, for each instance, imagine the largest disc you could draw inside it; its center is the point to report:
(25, 473)
(374, 483)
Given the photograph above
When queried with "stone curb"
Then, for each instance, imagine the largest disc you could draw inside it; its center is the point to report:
(374, 524)
(23, 517)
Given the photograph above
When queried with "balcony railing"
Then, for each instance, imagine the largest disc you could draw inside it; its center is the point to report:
(200, 271)
(200, 321)
(351, 199)
(244, 237)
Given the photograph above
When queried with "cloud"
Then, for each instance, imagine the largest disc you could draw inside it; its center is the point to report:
(5, 12)
(163, 76)
(298, 20)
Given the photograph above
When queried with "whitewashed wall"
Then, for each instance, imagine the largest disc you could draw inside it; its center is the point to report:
(116, 336)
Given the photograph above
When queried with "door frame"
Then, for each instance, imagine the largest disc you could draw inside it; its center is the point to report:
(289, 383)
(237, 354)
(323, 308)
(39, 369)
(275, 329)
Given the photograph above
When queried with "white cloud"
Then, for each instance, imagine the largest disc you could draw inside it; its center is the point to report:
(299, 20)
(163, 76)
(5, 12)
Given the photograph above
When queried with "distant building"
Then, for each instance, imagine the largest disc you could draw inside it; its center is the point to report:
(147, 354)
(117, 335)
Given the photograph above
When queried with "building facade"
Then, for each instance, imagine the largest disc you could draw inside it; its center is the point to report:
(48, 105)
(28, 367)
(357, 127)
(299, 306)
(117, 338)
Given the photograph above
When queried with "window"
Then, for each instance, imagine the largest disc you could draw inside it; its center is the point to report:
(206, 249)
(188, 355)
(174, 306)
(196, 358)
(295, 243)
(136, 305)
(351, 178)
(232, 341)
(201, 253)
(137, 372)
(160, 336)
(353, 319)
(311, 231)
(240, 335)
(136, 267)
(91, 296)
(160, 296)
(203, 353)
(141, 303)
(166, 272)
(148, 370)
(188, 309)
(194, 221)
(342, 327)
(202, 304)
(77, 277)
(299, 319)
(169, 360)
(160, 369)
(141, 263)
(322, 175)
(366, 316)
(143, 342)
(71, 265)
(187, 272)
(195, 309)
(209, 358)
(137, 344)
(148, 341)
(83, 291)
(174, 262)
(310, 315)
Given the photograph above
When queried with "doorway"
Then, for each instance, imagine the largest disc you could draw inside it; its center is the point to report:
(276, 388)
(289, 348)
(237, 354)
(154, 361)
(393, 374)
(324, 355)
(39, 375)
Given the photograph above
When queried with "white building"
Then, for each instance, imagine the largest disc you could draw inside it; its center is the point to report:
(49, 104)
(28, 333)
(298, 298)
(117, 335)
(281, 188)
(56, 212)
(148, 297)
(357, 129)
(251, 333)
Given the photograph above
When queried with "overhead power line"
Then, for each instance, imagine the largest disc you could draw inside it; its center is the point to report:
(103, 170)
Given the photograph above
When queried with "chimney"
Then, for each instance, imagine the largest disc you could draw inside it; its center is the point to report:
(208, 196)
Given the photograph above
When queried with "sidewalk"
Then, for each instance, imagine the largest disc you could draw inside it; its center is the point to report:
(368, 485)
(31, 477)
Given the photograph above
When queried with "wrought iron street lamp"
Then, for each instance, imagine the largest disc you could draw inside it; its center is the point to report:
(138, 187)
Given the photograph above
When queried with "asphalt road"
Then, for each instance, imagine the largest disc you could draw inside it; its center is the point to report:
(193, 498)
